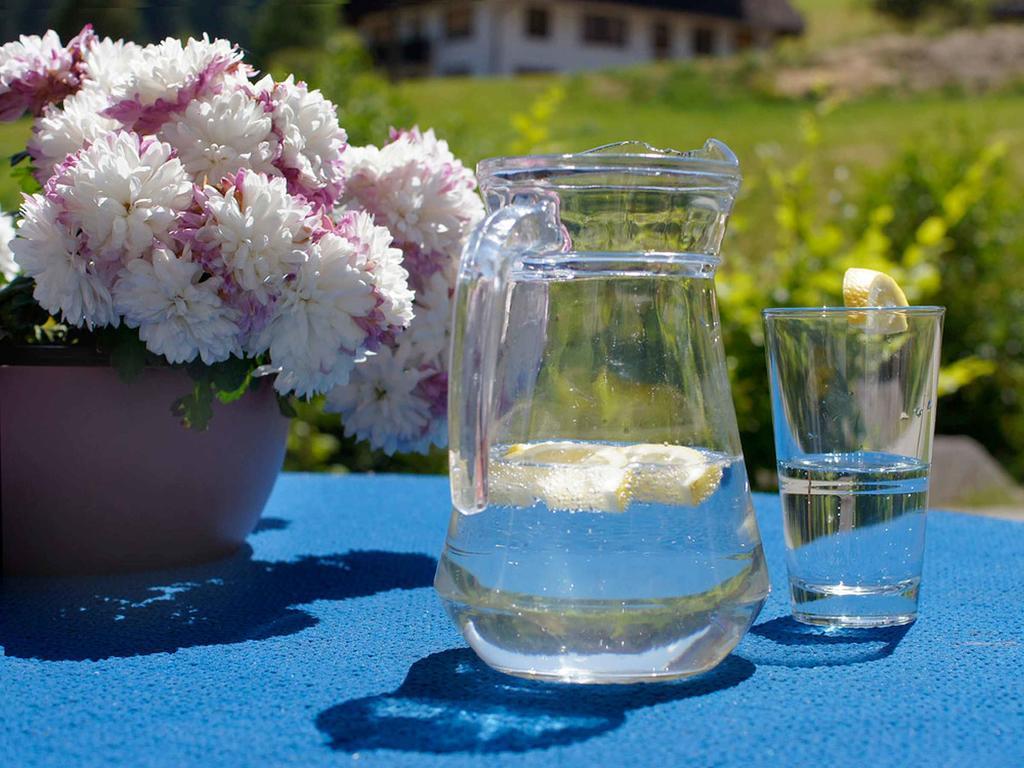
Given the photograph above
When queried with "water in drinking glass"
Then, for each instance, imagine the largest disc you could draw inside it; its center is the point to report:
(854, 528)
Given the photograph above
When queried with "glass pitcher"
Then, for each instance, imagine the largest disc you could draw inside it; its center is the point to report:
(602, 528)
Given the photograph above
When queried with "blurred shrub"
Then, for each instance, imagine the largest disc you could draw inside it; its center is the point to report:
(110, 18)
(533, 126)
(316, 444)
(341, 68)
(286, 24)
(944, 220)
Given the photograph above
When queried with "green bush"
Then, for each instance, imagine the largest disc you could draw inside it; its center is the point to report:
(341, 68)
(943, 218)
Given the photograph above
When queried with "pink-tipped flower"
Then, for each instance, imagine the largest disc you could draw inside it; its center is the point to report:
(169, 77)
(37, 71)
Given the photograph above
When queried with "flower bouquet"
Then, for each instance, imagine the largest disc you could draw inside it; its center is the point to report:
(184, 214)
(192, 212)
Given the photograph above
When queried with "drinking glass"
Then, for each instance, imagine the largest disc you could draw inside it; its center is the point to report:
(853, 405)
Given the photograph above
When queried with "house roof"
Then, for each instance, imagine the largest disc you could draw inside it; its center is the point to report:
(778, 15)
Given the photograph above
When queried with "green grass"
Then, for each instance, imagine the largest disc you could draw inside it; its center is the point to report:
(834, 22)
(681, 107)
(13, 137)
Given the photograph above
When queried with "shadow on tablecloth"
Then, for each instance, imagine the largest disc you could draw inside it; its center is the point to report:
(452, 702)
(785, 642)
(228, 601)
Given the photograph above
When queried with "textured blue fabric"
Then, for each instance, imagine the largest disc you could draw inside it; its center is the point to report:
(324, 641)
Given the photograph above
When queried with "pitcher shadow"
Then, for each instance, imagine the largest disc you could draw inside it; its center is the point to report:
(451, 702)
(227, 601)
(785, 642)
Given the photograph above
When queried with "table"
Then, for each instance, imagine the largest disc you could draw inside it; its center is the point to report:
(322, 643)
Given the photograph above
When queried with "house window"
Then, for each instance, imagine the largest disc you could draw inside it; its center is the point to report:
(381, 30)
(458, 23)
(604, 30)
(538, 22)
(661, 40)
(703, 41)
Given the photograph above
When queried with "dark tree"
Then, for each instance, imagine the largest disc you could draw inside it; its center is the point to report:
(959, 11)
(110, 18)
(307, 24)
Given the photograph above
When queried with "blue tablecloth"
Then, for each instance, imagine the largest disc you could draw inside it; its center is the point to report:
(324, 644)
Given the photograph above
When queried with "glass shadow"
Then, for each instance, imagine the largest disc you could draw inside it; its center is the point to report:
(452, 702)
(785, 642)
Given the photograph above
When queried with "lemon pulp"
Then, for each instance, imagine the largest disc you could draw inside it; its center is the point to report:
(596, 477)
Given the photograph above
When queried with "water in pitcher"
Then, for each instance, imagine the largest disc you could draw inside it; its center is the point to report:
(613, 548)
(854, 527)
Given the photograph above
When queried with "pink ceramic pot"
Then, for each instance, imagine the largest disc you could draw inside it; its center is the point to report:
(97, 475)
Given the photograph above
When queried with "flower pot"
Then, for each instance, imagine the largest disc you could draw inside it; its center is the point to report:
(97, 475)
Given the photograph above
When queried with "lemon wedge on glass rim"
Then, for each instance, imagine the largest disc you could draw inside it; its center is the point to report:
(595, 477)
(871, 288)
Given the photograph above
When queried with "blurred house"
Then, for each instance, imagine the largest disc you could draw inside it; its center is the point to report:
(1010, 10)
(415, 38)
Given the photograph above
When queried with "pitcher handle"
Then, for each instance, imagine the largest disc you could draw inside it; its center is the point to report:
(501, 240)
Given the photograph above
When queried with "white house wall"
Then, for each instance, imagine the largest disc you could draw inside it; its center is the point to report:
(565, 50)
(499, 45)
(471, 55)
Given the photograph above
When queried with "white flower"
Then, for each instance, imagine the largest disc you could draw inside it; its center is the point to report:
(108, 63)
(311, 140)
(8, 268)
(62, 131)
(223, 134)
(178, 316)
(376, 254)
(167, 76)
(124, 191)
(416, 188)
(380, 403)
(36, 71)
(258, 230)
(429, 333)
(314, 336)
(66, 283)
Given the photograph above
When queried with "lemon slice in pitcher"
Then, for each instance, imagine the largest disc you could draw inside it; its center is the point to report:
(561, 474)
(870, 288)
(671, 474)
(600, 478)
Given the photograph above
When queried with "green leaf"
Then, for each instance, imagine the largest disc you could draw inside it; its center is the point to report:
(23, 175)
(229, 396)
(230, 375)
(127, 351)
(286, 406)
(20, 313)
(964, 371)
(195, 410)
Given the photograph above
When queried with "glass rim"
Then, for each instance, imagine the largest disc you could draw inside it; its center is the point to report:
(924, 310)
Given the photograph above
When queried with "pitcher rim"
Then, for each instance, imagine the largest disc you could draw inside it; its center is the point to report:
(714, 161)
